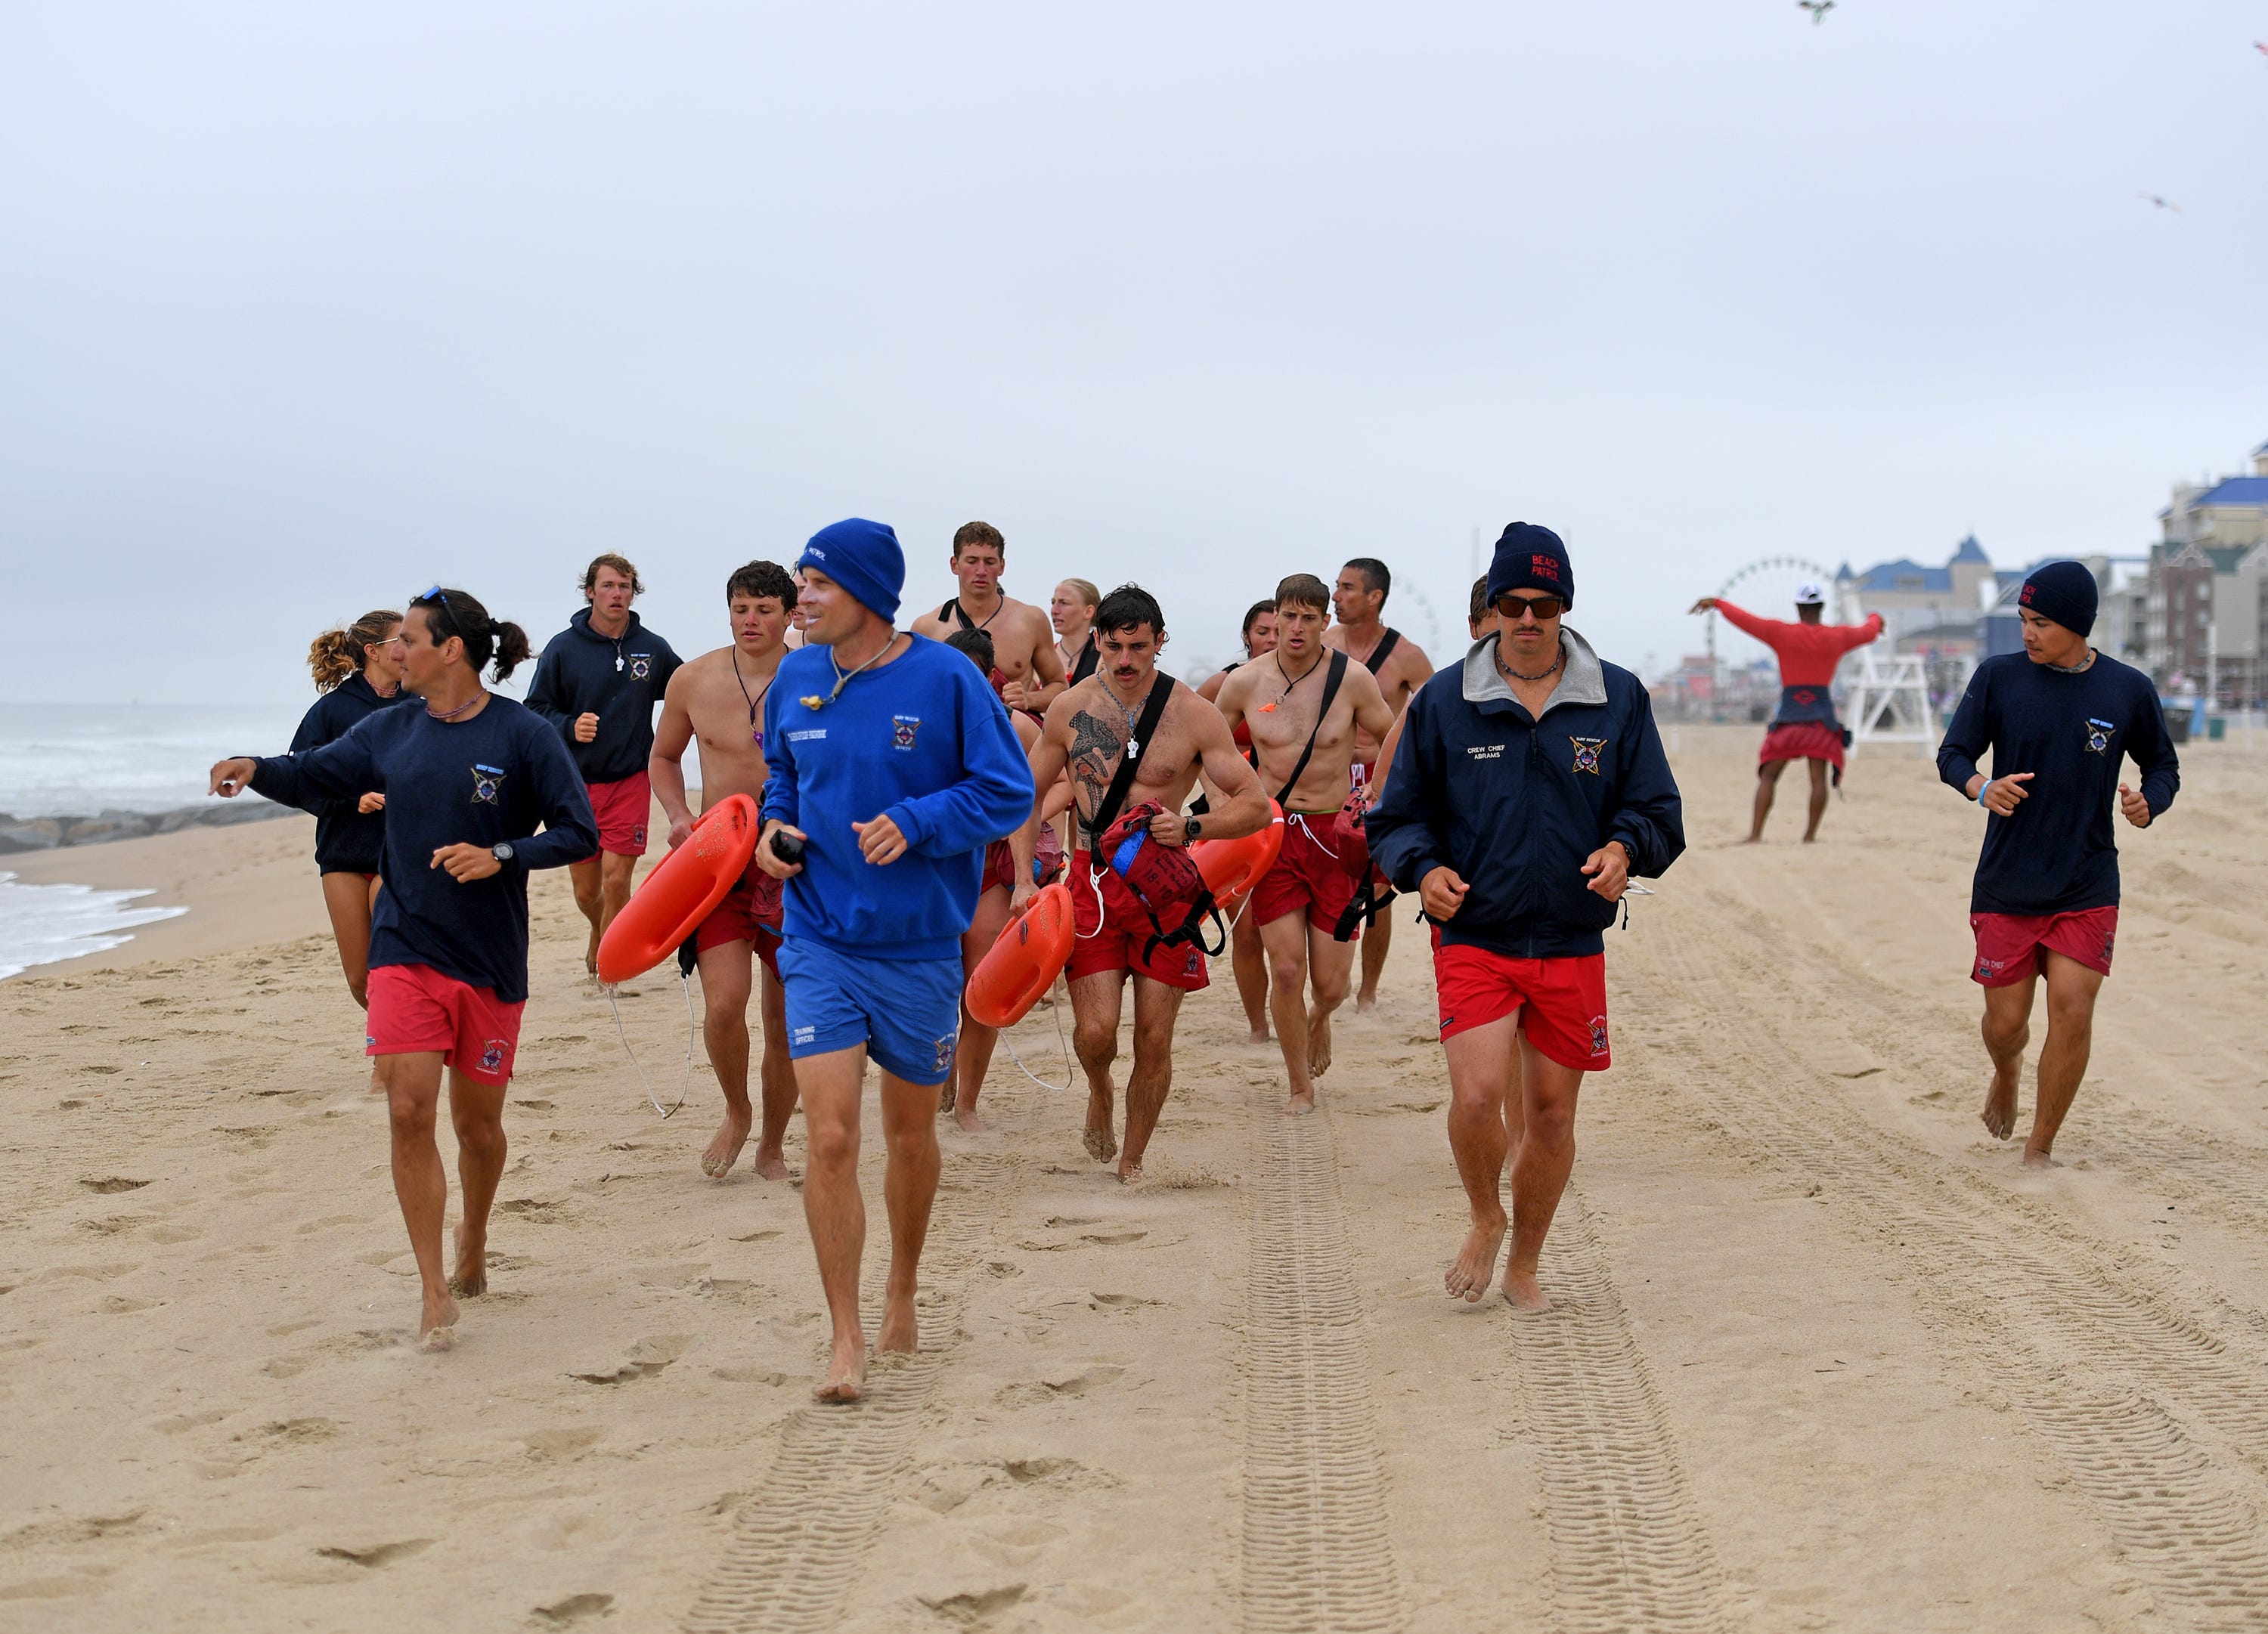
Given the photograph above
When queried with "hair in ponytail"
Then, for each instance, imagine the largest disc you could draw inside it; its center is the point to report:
(336, 654)
(456, 613)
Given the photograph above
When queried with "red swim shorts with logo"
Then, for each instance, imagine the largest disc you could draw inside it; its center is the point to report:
(750, 913)
(1565, 1000)
(415, 1008)
(1308, 874)
(2009, 945)
(1103, 942)
(622, 809)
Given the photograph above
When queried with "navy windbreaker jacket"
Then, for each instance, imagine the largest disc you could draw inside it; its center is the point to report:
(620, 681)
(1516, 805)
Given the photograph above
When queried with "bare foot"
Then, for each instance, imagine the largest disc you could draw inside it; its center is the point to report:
(1364, 1003)
(1319, 1043)
(1808, 838)
(1261, 1035)
(846, 1374)
(1523, 1292)
(900, 1334)
(725, 1149)
(944, 1096)
(1469, 1273)
(1100, 1144)
(1129, 1173)
(472, 1277)
(1300, 1105)
(1999, 1114)
(969, 1121)
(771, 1163)
(2035, 1159)
(1753, 839)
(437, 1324)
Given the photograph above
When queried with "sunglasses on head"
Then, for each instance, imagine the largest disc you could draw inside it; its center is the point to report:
(1511, 607)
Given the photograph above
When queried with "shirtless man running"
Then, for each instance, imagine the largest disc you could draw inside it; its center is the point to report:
(1092, 729)
(1400, 666)
(719, 698)
(1305, 705)
(1026, 671)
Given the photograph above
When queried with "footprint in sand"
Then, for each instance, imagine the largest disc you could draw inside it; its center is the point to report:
(373, 1555)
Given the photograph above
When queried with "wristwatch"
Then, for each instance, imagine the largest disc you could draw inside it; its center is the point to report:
(1190, 826)
(501, 850)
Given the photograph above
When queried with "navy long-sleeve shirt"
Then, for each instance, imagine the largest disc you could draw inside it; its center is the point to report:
(618, 679)
(1516, 805)
(922, 741)
(2057, 854)
(347, 841)
(499, 775)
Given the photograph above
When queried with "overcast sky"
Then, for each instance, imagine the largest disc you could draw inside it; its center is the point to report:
(305, 307)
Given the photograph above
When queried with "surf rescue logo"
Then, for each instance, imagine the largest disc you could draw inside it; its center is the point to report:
(902, 728)
(2099, 733)
(492, 1054)
(1598, 1035)
(1586, 754)
(944, 1053)
(487, 780)
(641, 666)
(1986, 968)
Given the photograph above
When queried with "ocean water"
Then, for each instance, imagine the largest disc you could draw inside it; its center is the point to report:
(59, 760)
(40, 923)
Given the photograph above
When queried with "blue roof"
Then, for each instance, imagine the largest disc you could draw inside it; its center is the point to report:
(1970, 551)
(1885, 574)
(2235, 490)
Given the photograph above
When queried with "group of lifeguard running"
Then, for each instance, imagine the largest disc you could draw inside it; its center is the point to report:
(1515, 795)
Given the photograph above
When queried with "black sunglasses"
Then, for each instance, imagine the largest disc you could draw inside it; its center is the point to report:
(1511, 607)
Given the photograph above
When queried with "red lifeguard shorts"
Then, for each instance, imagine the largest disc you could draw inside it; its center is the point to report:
(1565, 1000)
(749, 913)
(1308, 874)
(1100, 942)
(2009, 945)
(415, 1008)
(1802, 740)
(622, 809)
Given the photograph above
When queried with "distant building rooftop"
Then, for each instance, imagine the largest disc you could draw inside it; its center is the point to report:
(1903, 574)
(2235, 490)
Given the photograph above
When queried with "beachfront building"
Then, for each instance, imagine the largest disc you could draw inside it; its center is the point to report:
(1912, 598)
(2206, 609)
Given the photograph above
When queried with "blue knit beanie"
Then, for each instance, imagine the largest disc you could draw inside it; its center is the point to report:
(863, 558)
(2064, 591)
(1528, 557)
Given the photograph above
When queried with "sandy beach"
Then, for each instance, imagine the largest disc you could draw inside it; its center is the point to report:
(1823, 1356)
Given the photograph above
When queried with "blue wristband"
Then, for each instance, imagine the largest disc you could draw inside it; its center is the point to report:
(1981, 790)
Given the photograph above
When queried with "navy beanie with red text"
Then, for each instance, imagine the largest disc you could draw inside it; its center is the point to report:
(1528, 557)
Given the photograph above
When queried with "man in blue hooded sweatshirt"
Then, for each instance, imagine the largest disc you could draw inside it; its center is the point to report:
(1529, 786)
(894, 763)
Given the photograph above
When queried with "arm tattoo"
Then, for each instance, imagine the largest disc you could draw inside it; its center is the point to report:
(1094, 751)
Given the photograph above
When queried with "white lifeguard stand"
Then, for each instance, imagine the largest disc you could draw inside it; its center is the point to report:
(1889, 704)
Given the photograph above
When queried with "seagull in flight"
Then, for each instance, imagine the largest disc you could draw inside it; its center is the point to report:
(1819, 9)
(2160, 204)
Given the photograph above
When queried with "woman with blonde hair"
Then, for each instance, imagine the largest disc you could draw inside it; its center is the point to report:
(1072, 611)
(358, 669)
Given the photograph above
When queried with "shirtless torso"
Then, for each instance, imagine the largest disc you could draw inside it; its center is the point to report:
(717, 700)
(1403, 668)
(1026, 671)
(1277, 701)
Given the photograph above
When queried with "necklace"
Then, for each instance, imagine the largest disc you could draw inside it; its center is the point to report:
(1270, 709)
(1515, 675)
(433, 714)
(1133, 718)
(814, 702)
(2080, 669)
(756, 732)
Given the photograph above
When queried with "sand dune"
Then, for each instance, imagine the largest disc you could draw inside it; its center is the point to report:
(1823, 1357)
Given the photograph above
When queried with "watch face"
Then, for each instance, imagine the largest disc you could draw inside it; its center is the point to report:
(504, 851)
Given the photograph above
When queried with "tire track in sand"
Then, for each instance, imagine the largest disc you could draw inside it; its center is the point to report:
(798, 1543)
(2151, 1404)
(1317, 1555)
(1627, 1549)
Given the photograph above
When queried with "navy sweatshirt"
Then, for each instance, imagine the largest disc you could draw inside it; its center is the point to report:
(1515, 805)
(2056, 855)
(922, 740)
(583, 672)
(347, 841)
(495, 776)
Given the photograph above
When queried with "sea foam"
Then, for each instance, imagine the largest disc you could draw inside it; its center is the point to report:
(41, 923)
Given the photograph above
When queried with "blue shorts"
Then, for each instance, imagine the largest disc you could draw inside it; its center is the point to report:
(907, 1012)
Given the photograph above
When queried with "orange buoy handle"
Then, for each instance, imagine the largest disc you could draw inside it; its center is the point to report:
(681, 891)
(1232, 867)
(1020, 967)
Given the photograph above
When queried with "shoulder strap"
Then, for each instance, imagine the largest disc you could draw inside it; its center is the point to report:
(1383, 652)
(1089, 656)
(952, 610)
(1331, 679)
(1153, 710)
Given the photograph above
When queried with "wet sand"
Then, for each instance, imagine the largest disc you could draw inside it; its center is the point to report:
(1824, 1357)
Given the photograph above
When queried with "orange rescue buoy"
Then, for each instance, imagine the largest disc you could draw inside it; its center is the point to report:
(682, 889)
(1232, 867)
(1024, 963)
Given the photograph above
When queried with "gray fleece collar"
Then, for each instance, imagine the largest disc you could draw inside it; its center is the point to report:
(1583, 680)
